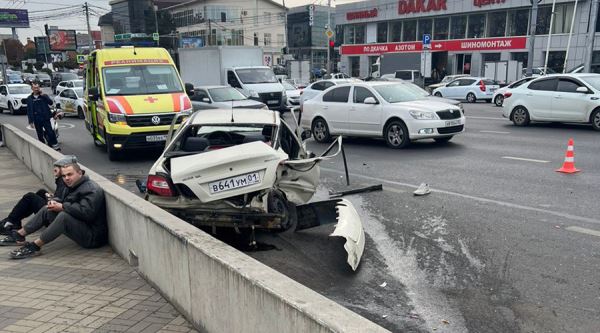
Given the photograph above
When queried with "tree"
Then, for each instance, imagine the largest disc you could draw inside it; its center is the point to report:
(14, 52)
(167, 30)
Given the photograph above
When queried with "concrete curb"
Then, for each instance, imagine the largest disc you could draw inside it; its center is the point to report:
(216, 287)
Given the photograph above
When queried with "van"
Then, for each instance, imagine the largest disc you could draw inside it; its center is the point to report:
(133, 95)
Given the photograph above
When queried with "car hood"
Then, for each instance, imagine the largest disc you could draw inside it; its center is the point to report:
(265, 87)
(148, 104)
(20, 96)
(250, 104)
(443, 100)
(293, 93)
(425, 105)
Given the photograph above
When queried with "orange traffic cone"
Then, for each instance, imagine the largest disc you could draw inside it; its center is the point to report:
(569, 165)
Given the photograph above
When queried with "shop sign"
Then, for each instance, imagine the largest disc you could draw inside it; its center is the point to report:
(311, 15)
(479, 3)
(364, 14)
(419, 6)
(475, 44)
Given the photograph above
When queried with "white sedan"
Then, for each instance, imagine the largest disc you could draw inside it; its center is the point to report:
(380, 109)
(75, 84)
(499, 94)
(471, 89)
(567, 98)
(70, 101)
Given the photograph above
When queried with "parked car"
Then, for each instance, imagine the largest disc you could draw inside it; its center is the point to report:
(316, 88)
(13, 97)
(337, 76)
(293, 94)
(499, 94)
(420, 91)
(75, 84)
(71, 101)
(538, 71)
(380, 109)
(222, 97)
(247, 170)
(447, 79)
(44, 79)
(567, 98)
(406, 75)
(28, 78)
(469, 88)
(58, 77)
(14, 78)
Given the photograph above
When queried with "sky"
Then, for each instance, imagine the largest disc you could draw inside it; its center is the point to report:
(69, 14)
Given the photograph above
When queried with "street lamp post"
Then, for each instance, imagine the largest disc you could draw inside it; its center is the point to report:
(532, 28)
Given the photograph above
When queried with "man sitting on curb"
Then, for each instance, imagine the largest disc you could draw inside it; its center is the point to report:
(81, 216)
(31, 202)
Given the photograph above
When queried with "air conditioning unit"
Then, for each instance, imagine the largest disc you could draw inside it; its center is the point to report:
(244, 13)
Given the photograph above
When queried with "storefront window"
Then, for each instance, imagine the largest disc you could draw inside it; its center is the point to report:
(359, 34)
(556, 60)
(349, 35)
(458, 27)
(543, 20)
(518, 22)
(382, 32)
(476, 26)
(496, 24)
(521, 57)
(396, 31)
(595, 68)
(425, 27)
(440, 28)
(409, 34)
(490, 57)
(562, 18)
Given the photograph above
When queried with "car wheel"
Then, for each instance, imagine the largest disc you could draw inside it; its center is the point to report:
(80, 113)
(437, 94)
(444, 139)
(520, 116)
(11, 109)
(471, 98)
(278, 204)
(596, 120)
(396, 135)
(499, 100)
(320, 130)
(113, 154)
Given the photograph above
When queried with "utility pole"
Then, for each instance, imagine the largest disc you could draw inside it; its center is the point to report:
(587, 66)
(570, 36)
(285, 27)
(209, 33)
(155, 7)
(532, 28)
(549, 37)
(328, 27)
(87, 19)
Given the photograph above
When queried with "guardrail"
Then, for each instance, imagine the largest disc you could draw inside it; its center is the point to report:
(216, 287)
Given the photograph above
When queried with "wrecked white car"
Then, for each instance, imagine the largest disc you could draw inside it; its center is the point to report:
(248, 169)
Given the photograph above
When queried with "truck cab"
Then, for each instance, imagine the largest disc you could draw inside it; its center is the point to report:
(258, 83)
(132, 96)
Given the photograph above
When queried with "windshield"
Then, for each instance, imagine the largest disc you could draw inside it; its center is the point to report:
(404, 75)
(43, 76)
(14, 77)
(594, 81)
(203, 138)
(78, 92)
(78, 83)
(19, 90)
(141, 80)
(288, 86)
(416, 89)
(68, 76)
(226, 94)
(396, 93)
(256, 75)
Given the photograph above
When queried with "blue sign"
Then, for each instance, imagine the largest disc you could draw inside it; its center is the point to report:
(426, 39)
(14, 18)
(191, 42)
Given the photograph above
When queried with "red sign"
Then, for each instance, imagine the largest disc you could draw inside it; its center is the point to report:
(418, 6)
(151, 100)
(475, 44)
(480, 3)
(361, 15)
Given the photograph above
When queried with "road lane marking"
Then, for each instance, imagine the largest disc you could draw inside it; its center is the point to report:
(472, 197)
(524, 159)
(494, 132)
(487, 118)
(584, 231)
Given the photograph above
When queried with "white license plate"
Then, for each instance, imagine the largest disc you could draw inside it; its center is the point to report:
(156, 138)
(452, 122)
(273, 102)
(493, 89)
(234, 182)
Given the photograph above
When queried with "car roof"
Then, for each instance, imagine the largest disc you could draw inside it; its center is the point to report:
(16, 85)
(240, 116)
(210, 87)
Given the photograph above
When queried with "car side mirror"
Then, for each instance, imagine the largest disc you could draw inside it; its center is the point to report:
(307, 134)
(206, 100)
(189, 89)
(93, 94)
(370, 100)
(582, 90)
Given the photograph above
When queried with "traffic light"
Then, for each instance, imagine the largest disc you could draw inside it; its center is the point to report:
(331, 49)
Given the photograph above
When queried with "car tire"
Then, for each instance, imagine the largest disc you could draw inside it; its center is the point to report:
(520, 116)
(278, 204)
(11, 109)
(437, 94)
(499, 100)
(80, 113)
(396, 135)
(320, 130)
(595, 117)
(444, 139)
(113, 154)
(471, 98)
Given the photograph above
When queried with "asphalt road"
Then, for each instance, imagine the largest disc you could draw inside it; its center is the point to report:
(502, 244)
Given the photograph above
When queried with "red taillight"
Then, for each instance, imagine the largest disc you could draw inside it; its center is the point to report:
(159, 185)
(481, 86)
(507, 94)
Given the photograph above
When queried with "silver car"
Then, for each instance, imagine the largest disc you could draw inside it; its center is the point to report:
(222, 97)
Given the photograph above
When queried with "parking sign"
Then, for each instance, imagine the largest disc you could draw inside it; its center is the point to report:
(426, 41)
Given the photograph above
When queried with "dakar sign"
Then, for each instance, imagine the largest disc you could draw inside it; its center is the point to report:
(419, 6)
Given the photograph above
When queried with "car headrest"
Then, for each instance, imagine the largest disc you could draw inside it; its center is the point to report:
(195, 144)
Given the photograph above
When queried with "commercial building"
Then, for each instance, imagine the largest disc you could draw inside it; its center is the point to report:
(465, 34)
(233, 22)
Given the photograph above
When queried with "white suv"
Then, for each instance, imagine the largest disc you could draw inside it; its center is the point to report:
(471, 89)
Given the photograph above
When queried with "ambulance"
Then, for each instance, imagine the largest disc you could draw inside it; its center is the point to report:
(132, 95)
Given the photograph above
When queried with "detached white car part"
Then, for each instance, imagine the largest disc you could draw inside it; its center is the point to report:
(247, 168)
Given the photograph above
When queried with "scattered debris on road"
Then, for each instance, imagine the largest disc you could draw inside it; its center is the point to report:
(422, 190)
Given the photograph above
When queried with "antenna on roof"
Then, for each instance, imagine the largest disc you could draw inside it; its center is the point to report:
(232, 120)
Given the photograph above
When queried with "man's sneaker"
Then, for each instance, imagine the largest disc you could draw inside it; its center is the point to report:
(13, 239)
(5, 227)
(26, 251)
(56, 147)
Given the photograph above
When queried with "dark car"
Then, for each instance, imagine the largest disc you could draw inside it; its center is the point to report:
(62, 76)
(44, 79)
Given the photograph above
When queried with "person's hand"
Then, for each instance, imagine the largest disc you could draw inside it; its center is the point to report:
(55, 206)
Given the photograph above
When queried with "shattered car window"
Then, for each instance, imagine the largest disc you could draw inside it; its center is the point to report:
(202, 138)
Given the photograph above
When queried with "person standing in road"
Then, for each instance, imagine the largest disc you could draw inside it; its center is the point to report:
(81, 216)
(38, 114)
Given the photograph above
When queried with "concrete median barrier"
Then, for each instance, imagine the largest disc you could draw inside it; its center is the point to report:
(218, 288)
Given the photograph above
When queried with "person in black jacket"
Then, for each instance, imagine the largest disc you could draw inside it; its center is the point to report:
(39, 114)
(32, 202)
(80, 216)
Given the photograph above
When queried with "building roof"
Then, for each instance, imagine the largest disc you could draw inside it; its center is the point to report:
(189, 2)
(105, 20)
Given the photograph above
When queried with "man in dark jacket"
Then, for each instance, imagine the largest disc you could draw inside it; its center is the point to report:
(38, 114)
(31, 202)
(81, 216)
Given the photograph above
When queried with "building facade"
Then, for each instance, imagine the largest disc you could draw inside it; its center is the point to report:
(464, 34)
(233, 22)
(133, 16)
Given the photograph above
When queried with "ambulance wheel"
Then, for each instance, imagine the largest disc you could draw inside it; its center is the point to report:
(113, 154)
(80, 113)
